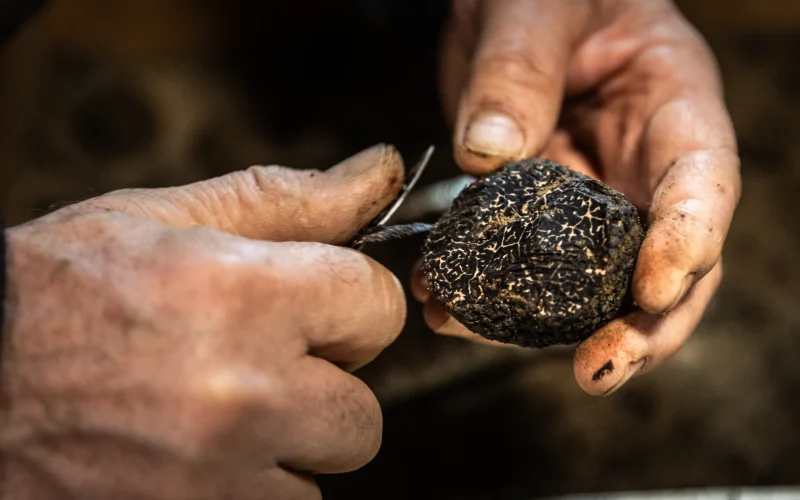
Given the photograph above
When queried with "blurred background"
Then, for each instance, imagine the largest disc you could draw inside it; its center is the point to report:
(99, 95)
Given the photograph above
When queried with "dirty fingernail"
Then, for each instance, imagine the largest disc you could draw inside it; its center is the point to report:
(634, 369)
(494, 134)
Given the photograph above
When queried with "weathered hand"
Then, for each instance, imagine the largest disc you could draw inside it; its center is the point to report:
(625, 91)
(154, 348)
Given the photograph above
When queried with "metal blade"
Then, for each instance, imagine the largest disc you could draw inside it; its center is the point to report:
(416, 173)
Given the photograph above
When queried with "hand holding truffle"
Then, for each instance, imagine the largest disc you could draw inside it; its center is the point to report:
(195, 342)
(624, 91)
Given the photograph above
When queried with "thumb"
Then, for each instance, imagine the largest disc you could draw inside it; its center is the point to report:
(276, 203)
(509, 96)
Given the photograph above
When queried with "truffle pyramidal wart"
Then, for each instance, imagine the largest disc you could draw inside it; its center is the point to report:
(534, 255)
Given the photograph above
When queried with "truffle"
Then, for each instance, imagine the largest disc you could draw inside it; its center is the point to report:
(534, 255)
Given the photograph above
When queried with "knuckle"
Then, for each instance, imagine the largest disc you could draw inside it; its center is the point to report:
(677, 220)
(180, 245)
(239, 388)
(280, 183)
(514, 66)
(288, 189)
(273, 179)
(179, 262)
(200, 252)
(228, 405)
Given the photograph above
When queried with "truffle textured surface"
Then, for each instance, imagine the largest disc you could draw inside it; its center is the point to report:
(534, 255)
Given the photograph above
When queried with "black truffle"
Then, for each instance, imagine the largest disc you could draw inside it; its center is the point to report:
(534, 255)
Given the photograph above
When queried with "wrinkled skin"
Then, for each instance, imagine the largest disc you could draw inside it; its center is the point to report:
(622, 90)
(174, 343)
(195, 342)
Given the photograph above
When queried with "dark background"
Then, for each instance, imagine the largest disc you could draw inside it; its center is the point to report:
(100, 95)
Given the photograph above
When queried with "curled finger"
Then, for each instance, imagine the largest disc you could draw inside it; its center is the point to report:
(442, 323)
(639, 342)
(689, 221)
(345, 306)
(337, 425)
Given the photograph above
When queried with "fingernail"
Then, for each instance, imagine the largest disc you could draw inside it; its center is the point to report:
(634, 369)
(494, 134)
(365, 161)
(687, 284)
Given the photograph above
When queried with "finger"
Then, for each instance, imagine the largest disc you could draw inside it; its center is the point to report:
(693, 203)
(346, 305)
(338, 425)
(442, 323)
(561, 149)
(511, 100)
(640, 342)
(277, 203)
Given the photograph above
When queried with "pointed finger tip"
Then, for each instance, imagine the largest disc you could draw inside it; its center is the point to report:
(392, 167)
(596, 375)
(610, 357)
(605, 378)
(390, 155)
(659, 291)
